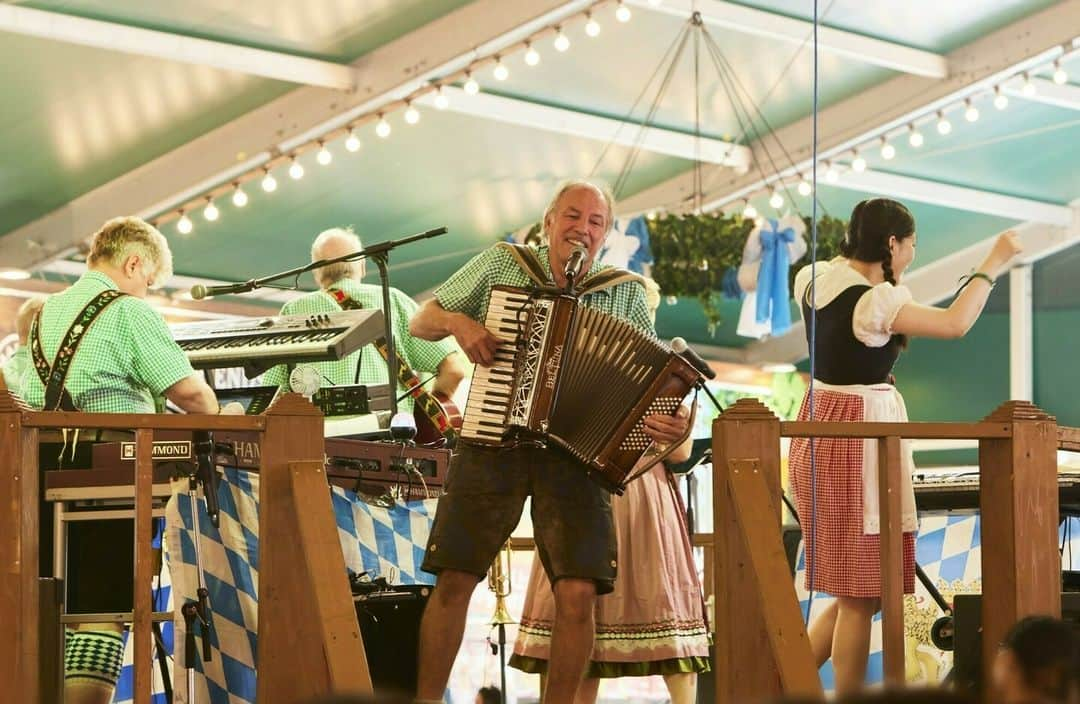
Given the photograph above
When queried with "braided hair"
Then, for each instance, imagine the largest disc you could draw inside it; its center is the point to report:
(873, 222)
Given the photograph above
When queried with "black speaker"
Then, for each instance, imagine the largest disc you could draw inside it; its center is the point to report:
(390, 626)
(967, 624)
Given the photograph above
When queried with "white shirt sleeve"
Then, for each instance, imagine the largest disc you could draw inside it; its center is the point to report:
(876, 311)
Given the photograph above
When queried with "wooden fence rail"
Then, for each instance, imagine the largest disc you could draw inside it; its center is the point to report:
(762, 649)
(306, 620)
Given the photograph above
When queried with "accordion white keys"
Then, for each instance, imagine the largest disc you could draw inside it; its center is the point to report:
(573, 376)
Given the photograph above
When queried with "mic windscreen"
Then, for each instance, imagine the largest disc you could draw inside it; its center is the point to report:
(403, 426)
(198, 292)
(678, 345)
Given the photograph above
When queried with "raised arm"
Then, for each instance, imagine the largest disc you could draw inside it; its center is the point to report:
(954, 321)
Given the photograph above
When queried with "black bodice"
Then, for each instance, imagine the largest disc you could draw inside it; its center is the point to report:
(840, 357)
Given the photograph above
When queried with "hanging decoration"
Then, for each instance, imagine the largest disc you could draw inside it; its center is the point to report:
(692, 254)
(771, 249)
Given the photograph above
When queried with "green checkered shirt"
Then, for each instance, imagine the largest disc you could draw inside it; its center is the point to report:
(16, 369)
(366, 366)
(469, 289)
(126, 360)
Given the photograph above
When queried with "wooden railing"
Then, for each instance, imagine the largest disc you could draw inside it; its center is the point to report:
(309, 642)
(762, 646)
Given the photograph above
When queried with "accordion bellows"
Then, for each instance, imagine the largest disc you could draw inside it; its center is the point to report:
(573, 376)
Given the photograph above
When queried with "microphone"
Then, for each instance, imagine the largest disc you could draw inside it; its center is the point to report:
(199, 292)
(679, 347)
(403, 427)
(203, 442)
(574, 263)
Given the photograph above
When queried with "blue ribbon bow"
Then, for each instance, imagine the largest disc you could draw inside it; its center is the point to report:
(772, 289)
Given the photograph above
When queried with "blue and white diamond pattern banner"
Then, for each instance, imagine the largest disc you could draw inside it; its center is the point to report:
(949, 550)
(381, 540)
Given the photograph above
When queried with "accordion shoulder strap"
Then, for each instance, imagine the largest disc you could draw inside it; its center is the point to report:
(609, 278)
(526, 258)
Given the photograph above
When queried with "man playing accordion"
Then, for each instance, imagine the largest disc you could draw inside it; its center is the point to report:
(571, 513)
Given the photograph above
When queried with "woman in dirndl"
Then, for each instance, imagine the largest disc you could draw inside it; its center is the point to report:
(654, 621)
(863, 316)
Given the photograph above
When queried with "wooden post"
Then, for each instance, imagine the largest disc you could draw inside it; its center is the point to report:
(1018, 500)
(892, 559)
(299, 656)
(19, 603)
(144, 565)
(745, 667)
(756, 517)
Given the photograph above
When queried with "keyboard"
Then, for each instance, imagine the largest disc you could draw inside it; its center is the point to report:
(488, 404)
(259, 343)
(945, 490)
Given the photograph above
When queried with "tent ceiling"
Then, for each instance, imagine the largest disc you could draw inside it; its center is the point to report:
(78, 118)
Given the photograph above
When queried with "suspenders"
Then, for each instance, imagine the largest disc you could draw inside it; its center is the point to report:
(54, 376)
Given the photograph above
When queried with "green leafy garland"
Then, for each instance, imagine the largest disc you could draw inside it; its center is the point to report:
(691, 253)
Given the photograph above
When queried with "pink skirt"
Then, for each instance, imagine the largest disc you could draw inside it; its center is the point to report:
(654, 621)
(841, 559)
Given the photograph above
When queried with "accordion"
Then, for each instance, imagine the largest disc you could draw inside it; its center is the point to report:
(573, 376)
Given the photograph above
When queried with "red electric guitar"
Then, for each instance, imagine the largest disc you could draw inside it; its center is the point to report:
(426, 431)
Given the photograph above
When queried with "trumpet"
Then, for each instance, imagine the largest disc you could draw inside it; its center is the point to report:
(499, 583)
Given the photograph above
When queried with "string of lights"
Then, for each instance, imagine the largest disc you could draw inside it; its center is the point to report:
(470, 76)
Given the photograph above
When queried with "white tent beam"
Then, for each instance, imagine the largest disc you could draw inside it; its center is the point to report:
(1046, 92)
(762, 23)
(524, 113)
(388, 73)
(1021, 327)
(960, 197)
(1025, 44)
(112, 36)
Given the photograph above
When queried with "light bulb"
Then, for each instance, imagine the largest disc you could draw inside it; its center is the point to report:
(1029, 86)
(971, 113)
(500, 71)
(622, 13)
(858, 163)
(915, 139)
(269, 183)
(1060, 77)
(296, 171)
(749, 212)
(832, 175)
(776, 200)
(441, 101)
(352, 143)
(592, 27)
(382, 128)
(888, 151)
(471, 86)
(210, 212)
(562, 42)
(184, 225)
(1001, 101)
(324, 156)
(944, 127)
(412, 115)
(239, 198)
(532, 56)
(805, 188)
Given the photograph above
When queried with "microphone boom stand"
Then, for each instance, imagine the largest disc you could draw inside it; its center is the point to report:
(378, 253)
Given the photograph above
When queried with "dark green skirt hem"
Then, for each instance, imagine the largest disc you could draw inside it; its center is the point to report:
(620, 669)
